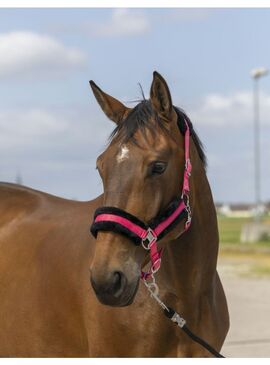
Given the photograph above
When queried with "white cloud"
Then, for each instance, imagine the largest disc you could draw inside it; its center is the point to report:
(53, 149)
(25, 52)
(123, 22)
(235, 109)
(20, 127)
(46, 129)
(53, 136)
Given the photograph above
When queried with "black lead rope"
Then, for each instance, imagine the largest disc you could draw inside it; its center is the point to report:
(170, 313)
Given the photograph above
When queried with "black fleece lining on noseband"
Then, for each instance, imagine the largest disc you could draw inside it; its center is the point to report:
(115, 227)
(120, 213)
(173, 224)
(118, 228)
(161, 217)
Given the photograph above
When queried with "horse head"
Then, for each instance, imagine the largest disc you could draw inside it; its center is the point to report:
(142, 172)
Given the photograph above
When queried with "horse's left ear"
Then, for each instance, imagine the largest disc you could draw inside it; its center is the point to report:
(160, 96)
(113, 108)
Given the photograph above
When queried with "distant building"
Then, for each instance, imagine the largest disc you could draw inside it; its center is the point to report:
(241, 210)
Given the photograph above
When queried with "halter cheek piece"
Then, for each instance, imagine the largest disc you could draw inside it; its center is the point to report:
(117, 220)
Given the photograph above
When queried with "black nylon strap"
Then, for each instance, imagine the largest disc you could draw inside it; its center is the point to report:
(201, 342)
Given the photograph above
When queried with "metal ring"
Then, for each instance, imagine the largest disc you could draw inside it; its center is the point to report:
(153, 288)
(144, 246)
(150, 275)
(153, 270)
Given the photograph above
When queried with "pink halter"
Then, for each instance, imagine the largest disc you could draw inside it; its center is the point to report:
(117, 220)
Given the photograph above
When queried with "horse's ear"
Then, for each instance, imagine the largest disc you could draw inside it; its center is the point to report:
(114, 109)
(160, 96)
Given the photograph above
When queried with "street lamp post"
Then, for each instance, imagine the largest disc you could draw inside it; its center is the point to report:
(256, 75)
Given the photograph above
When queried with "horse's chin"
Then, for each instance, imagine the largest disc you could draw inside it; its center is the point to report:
(125, 300)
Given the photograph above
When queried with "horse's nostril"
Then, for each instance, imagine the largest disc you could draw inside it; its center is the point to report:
(116, 280)
(118, 283)
(113, 285)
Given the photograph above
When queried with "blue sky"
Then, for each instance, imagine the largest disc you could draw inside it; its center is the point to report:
(51, 129)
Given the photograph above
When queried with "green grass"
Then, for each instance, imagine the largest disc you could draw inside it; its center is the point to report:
(230, 230)
(261, 270)
(252, 259)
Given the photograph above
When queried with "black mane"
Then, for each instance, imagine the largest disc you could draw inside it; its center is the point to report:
(198, 143)
(139, 118)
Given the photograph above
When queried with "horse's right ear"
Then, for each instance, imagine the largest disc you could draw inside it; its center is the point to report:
(160, 96)
(114, 109)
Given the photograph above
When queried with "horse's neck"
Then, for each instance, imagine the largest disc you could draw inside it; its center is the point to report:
(192, 258)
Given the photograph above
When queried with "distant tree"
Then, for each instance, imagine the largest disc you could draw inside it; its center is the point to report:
(18, 179)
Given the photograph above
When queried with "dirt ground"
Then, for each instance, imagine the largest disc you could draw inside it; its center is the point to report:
(246, 281)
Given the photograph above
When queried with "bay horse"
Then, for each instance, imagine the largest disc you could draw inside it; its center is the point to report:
(66, 294)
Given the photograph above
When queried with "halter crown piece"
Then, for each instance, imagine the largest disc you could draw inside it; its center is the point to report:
(147, 235)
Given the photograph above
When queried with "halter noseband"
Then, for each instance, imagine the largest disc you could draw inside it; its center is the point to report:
(117, 220)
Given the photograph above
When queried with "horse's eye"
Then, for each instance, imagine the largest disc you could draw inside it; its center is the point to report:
(158, 168)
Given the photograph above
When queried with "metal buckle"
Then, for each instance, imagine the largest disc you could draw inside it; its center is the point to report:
(185, 198)
(152, 285)
(149, 239)
(154, 291)
(178, 319)
(187, 165)
(188, 209)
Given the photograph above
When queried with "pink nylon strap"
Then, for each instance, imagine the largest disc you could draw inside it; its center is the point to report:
(163, 225)
(139, 231)
(188, 167)
(155, 257)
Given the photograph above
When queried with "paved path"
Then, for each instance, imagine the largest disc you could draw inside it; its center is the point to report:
(249, 306)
